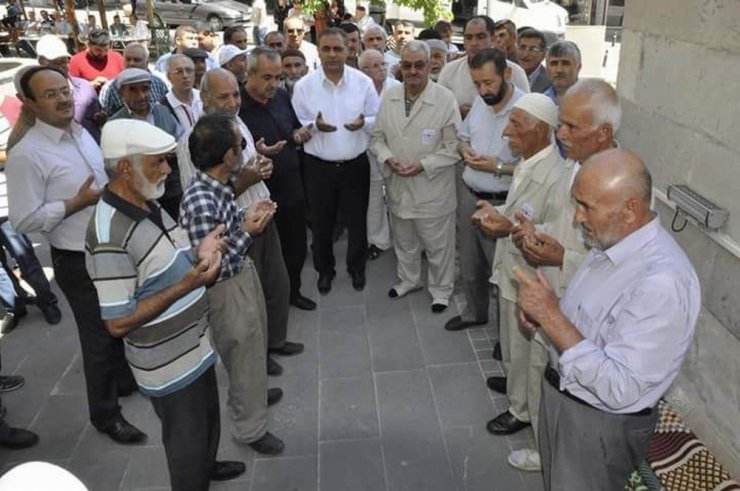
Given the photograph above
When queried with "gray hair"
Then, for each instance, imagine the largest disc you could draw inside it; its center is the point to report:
(436, 44)
(565, 48)
(205, 84)
(374, 29)
(294, 18)
(111, 165)
(137, 45)
(416, 46)
(369, 53)
(177, 57)
(603, 99)
(253, 58)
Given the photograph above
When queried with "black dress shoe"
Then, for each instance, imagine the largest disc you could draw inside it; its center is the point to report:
(12, 318)
(124, 432)
(300, 302)
(358, 280)
(51, 312)
(324, 283)
(374, 252)
(458, 324)
(497, 384)
(269, 444)
(9, 383)
(438, 308)
(274, 395)
(505, 424)
(497, 352)
(17, 438)
(227, 469)
(288, 348)
(273, 367)
(392, 293)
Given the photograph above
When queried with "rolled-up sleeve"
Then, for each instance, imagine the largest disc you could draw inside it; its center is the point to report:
(28, 212)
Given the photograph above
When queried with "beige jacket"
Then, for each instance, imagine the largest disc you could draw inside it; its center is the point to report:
(536, 197)
(429, 135)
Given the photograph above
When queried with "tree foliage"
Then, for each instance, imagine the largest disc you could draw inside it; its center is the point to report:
(433, 10)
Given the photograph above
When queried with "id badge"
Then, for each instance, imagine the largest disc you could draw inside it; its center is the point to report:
(428, 137)
(527, 211)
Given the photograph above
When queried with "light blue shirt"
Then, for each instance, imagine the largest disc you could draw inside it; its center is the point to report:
(636, 305)
(483, 128)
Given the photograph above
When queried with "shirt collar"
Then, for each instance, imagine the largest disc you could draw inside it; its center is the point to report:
(126, 207)
(325, 80)
(634, 242)
(539, 172)
(57, 134)
(212, 183)
(504, 112)
(536, 72)
(175, 102)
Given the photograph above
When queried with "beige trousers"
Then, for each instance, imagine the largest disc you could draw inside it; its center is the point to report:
(239, 326)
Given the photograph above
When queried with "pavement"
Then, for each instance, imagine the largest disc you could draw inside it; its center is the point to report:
(382, 399)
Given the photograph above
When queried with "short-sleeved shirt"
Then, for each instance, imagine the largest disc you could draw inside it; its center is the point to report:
(133, 254)
(82, 65)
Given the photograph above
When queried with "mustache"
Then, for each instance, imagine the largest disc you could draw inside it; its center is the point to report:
(64, 106)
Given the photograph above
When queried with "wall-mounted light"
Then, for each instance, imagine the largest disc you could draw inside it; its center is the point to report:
(693, 205)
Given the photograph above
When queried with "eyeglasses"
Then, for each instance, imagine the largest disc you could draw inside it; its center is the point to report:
(54, 94)
(530, 49)
(183, 71)
(243, 143)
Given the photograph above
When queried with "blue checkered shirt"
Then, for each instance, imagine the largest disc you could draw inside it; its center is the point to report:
(208, 203)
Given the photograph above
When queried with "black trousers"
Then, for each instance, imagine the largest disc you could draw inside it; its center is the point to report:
(103, 360)
(190, 432)
(330, 187)
(291, 225)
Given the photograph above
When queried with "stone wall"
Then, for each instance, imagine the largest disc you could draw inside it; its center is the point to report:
(679, 79)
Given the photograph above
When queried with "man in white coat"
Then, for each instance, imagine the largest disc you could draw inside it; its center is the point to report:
(415, 139)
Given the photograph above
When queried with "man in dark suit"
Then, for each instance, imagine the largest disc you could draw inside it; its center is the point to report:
(531, 50)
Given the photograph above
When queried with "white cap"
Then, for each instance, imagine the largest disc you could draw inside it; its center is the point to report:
(133, 76)
(51, 47)
(228, 52)
(540, 106)
(40, 476)
(127, 137)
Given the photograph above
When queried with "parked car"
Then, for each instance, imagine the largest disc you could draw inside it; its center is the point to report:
(213, 14)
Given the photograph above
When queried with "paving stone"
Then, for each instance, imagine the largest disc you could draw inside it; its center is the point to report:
(344, 354)
(355, 465)
(394, 344)
(482, 344)
(440, 346)
(295, 419)
(103, 469)
(349, 319)
(414, 451)
(286, 474)
(347, 409)
(147, 469)
(461, 396)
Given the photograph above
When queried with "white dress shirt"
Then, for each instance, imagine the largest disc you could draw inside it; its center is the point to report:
(253, 193)
(44, 169)
(483, 129)
(338, 104)
(187, 114)
(636, 305)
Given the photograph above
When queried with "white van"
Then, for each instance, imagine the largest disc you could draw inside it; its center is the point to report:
(543, 15)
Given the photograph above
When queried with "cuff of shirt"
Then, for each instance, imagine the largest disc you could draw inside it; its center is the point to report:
(54, 214)
(571, 358)
(241, 240)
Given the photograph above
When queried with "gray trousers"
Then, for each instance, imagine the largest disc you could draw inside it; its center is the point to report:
(584, 449)
(476, 260)
(239, 329)
(267, 254)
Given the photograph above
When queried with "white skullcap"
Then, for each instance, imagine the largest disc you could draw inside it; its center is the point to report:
(228, 52)
(127, 137)
(133, 76)
(40, 476)
(540, 106)
(51, 47)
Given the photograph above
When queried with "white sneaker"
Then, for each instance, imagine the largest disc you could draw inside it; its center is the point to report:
(526, 459)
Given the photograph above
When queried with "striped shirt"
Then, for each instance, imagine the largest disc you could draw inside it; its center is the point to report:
(133, 254)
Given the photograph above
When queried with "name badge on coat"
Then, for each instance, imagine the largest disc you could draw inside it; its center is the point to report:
(428, 137)
(527, 211)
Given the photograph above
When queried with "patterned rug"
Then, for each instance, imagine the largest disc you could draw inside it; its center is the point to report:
(680, 460)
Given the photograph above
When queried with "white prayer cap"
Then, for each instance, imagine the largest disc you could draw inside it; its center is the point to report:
(540, 106)
(126, 137)
(40, 476)
(228, 52)
(133, 76)
(51, 47)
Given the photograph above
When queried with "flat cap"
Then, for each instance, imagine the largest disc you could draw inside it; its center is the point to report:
(195, 53)
(127, 137)
(540, 106)
(228, 52)
(133, 76)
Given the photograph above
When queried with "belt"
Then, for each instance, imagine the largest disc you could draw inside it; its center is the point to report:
(500, 196)
(336, 162)
(553, 378)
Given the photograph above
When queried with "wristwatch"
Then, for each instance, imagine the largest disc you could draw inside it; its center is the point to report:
(499, 168)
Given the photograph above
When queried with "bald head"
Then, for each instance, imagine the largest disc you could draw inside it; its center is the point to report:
(220, 92)
(372, 64)
(612, 191)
